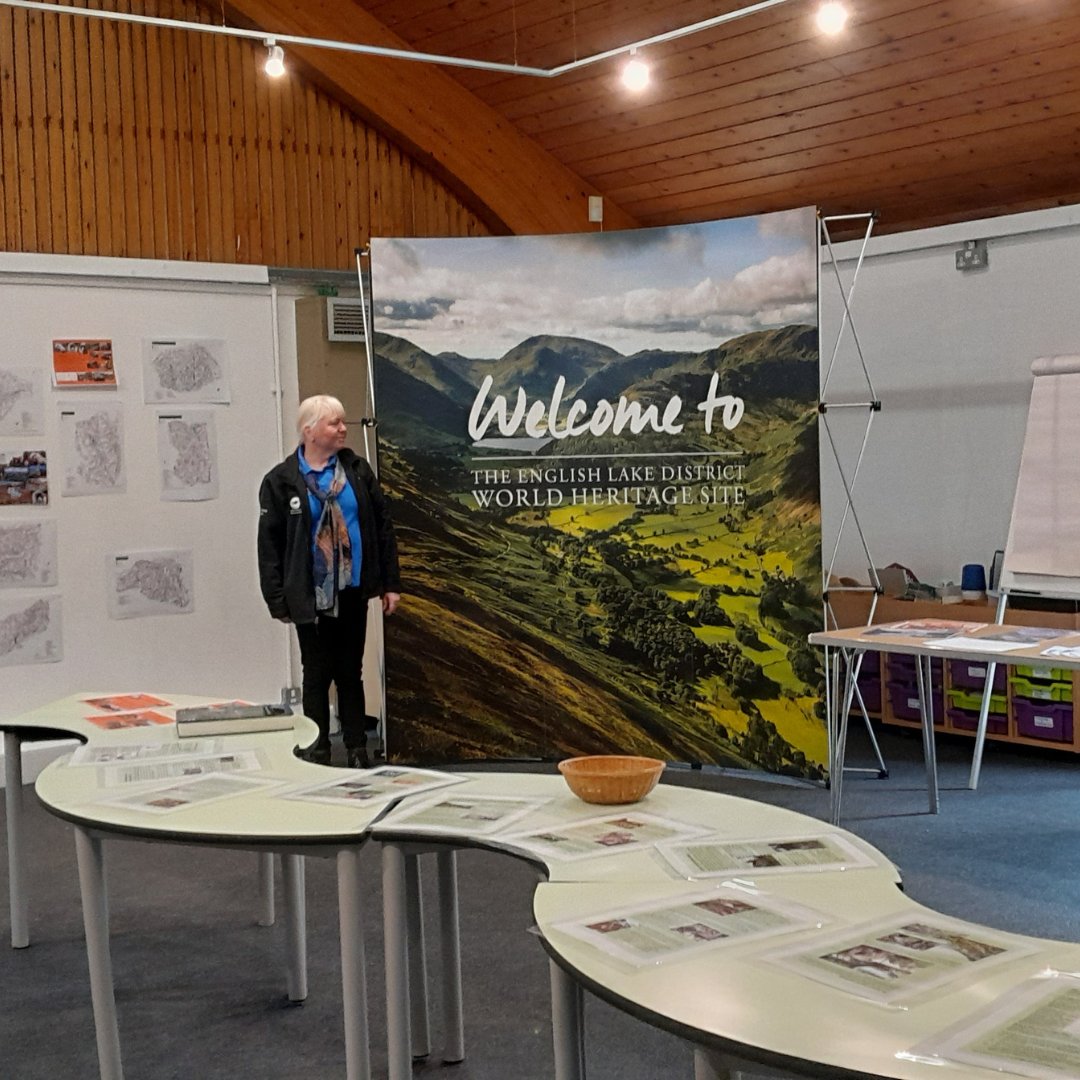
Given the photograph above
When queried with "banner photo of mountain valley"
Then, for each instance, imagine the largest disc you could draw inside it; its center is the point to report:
(602, 451)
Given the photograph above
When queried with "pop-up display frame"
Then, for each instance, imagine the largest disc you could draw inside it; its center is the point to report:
(838, 659)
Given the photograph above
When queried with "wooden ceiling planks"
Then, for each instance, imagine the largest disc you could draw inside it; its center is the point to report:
(927, 110)
(924, 108)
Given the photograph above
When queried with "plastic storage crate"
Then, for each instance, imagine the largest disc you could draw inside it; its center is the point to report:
(903, 668)
(870, 688)
(1049, 720)
(1042, 671)
(968, 720)
(904, 699)
(1041, 691)
(972, 700)
(971, 674)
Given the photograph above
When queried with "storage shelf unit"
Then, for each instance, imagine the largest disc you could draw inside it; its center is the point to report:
(1033, 706)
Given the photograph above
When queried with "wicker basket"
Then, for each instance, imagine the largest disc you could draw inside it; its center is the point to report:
(611, 778)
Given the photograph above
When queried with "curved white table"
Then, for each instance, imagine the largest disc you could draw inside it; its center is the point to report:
(726, 1004)
(257, 822)
(725, 816)
(66, 719)
(730, 1007)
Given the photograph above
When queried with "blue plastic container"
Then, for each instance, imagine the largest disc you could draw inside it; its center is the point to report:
(973, 578)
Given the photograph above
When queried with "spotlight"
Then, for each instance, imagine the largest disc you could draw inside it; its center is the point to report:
(831, 18)
(275, 59)
(635, 75)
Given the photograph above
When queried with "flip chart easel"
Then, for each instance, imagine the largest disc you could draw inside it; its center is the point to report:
(1042, 555)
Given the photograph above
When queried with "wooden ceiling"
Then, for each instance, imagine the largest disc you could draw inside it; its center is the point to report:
(926, 111)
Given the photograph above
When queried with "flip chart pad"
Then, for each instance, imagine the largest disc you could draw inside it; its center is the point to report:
(1043, 550)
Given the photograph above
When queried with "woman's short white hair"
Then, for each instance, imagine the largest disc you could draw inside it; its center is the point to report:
(313, 409)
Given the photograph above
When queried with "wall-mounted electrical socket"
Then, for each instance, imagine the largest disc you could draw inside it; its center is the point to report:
(596, 208)
(972, 256)
(290, 695)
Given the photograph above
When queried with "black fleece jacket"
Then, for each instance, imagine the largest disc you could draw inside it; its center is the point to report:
(285, 572)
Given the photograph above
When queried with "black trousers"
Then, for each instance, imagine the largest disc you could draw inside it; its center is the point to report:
(332, 651)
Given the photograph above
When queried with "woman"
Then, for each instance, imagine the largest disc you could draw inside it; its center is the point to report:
(326, 546)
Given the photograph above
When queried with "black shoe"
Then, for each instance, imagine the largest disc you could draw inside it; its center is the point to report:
(358, 758)
(319, 754)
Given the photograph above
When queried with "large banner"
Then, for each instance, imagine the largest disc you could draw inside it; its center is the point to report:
(603, 455)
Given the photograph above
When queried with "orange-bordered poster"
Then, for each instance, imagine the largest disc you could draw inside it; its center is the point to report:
(83, 363)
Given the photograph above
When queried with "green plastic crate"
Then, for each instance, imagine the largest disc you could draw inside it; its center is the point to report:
(1041, 671)
(972, 700)
(1041, 691)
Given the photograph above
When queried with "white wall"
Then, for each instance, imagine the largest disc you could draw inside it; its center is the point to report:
(228, 646)
(949, 354)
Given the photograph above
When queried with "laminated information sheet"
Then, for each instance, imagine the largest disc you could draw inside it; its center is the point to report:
(1034, 1031)
(98, 754)
(608, 835)
(384, 784)
(677, 929)
(196, 791)
(899, 958)
(477, 814)
(694, 859)
(142, 772)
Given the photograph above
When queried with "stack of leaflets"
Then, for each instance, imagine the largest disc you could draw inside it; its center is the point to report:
(232, 718)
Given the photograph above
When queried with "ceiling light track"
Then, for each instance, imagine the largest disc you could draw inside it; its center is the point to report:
(262, 36)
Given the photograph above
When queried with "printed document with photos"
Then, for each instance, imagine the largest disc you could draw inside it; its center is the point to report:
(143, 772)
(383, 784)
(608, 835)
(464, 813)
(1032, 1031)
(693, 859)
(97, 754)
(894, 959)
(677, 929)
(119, 703)
(196, 791)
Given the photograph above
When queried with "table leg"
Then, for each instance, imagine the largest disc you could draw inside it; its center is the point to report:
(841, 713)
(567, 1025)
(396, 948)
(96, 923)
(13, 801)
(265, 916)
(924, 672)
(712, 1065)
(980, 731)
(418, 997)
(353, 980)
(449, 932)
(292, 881)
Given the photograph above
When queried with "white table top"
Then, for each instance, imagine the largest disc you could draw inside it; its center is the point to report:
(724, 816)
(727, 996)
(73, 792)
(861, 638)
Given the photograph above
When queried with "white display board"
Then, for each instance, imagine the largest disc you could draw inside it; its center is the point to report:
(220, 640)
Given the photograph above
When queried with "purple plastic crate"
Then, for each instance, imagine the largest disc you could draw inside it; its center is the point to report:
(904, 698)
(1050, 720)
(903, 668)
(870, 687)
(971, 675)
(966, 720)
(900, 667)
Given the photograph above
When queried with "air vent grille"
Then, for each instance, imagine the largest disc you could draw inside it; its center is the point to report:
(344, 319)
